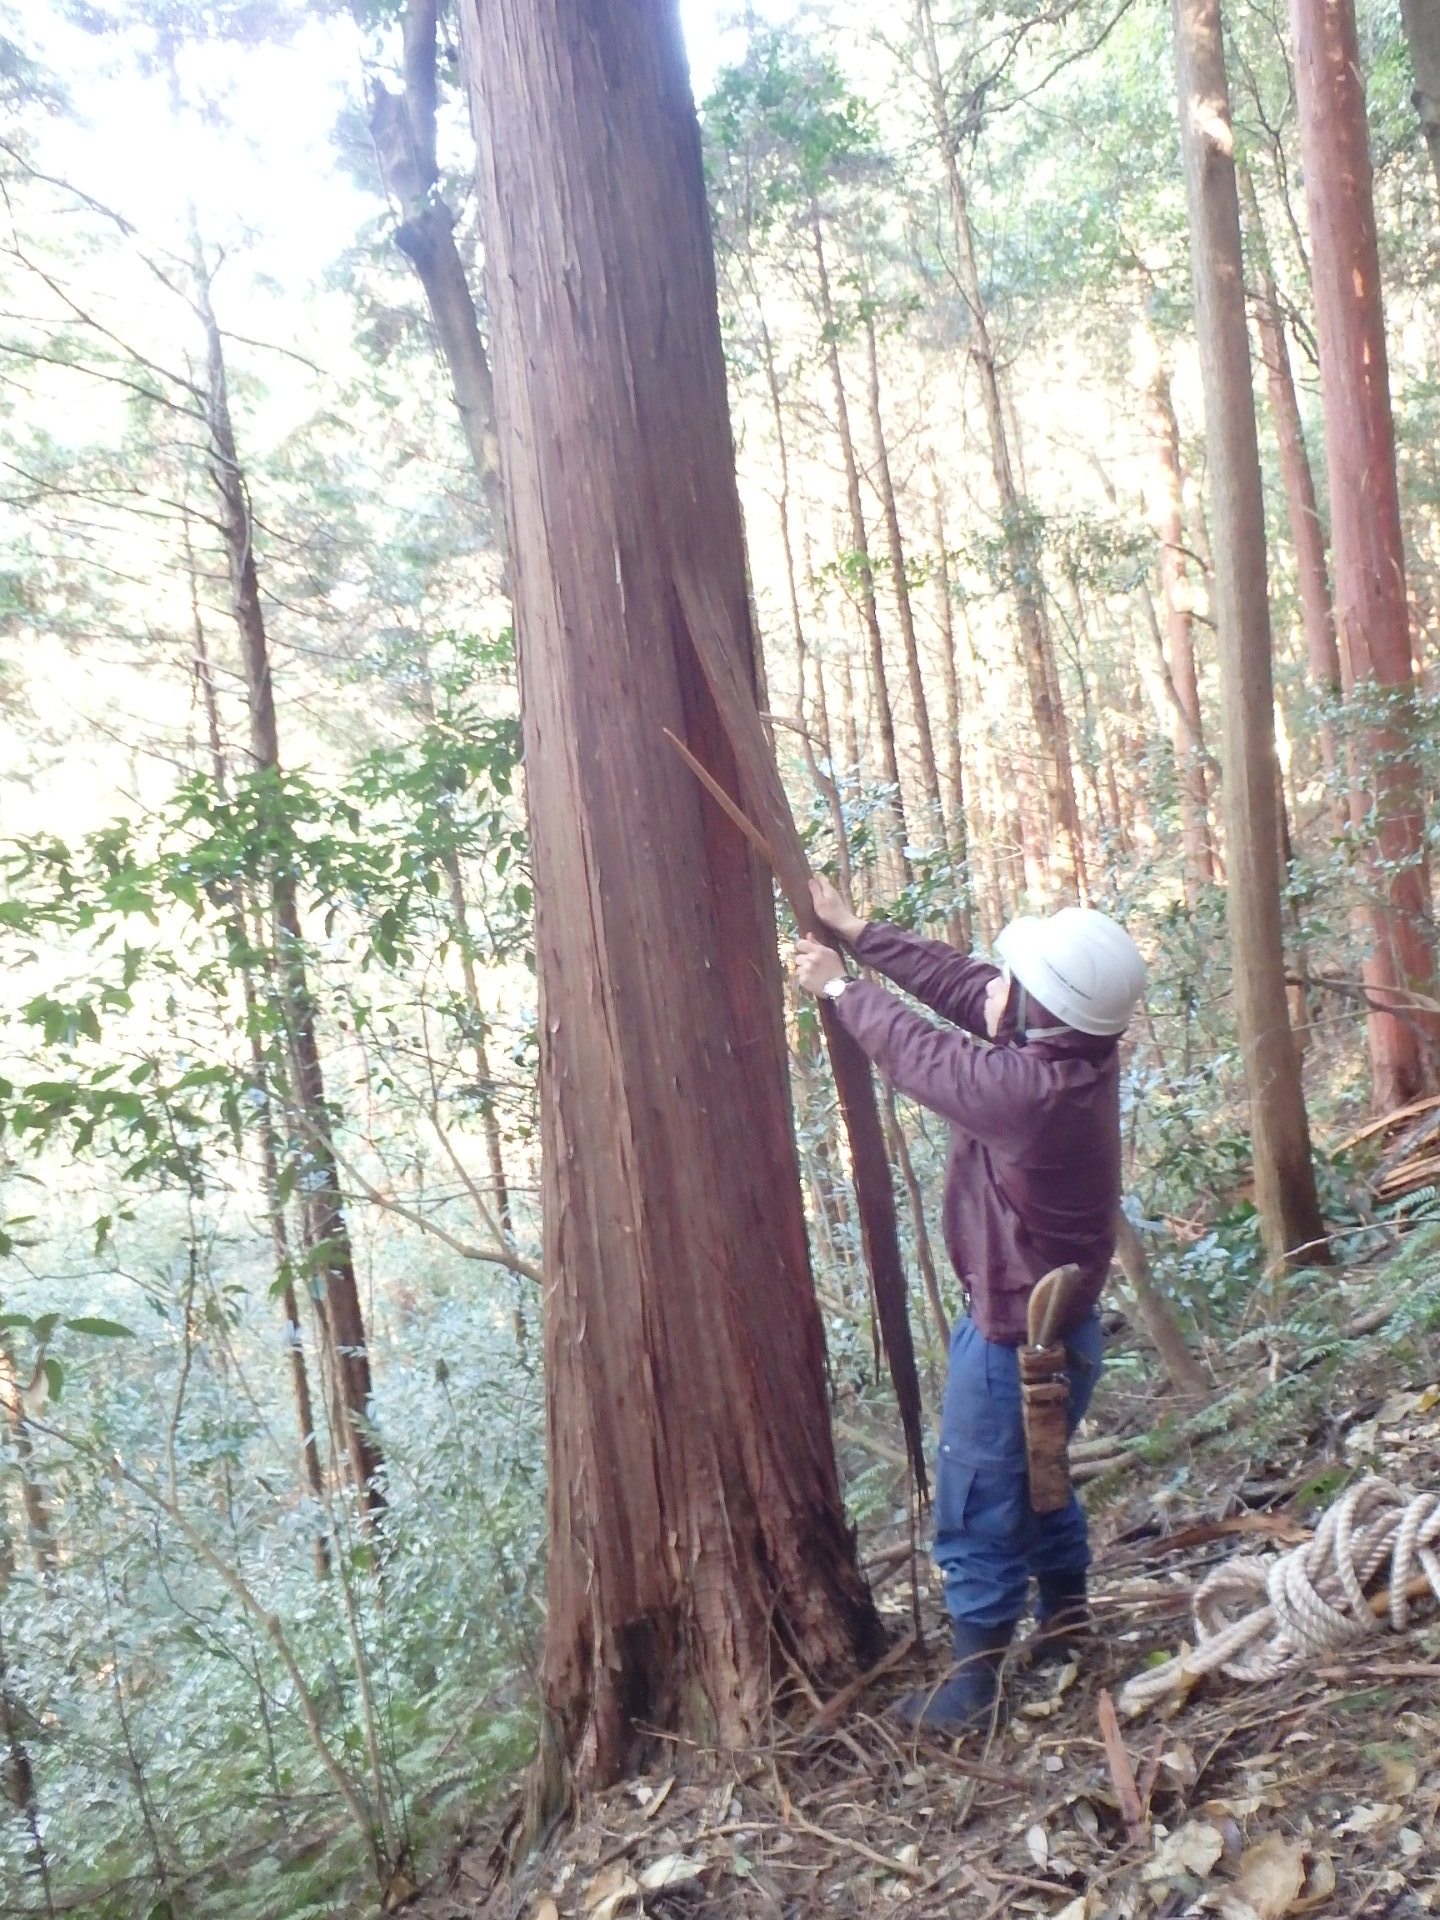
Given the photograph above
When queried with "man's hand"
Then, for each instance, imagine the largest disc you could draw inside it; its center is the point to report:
(815, 963)
(830, 908)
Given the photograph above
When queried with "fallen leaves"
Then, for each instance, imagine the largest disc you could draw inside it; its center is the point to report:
(1195, 1848)
(1271, 1878)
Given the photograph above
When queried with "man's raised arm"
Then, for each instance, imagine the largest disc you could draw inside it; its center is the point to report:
(952, 983)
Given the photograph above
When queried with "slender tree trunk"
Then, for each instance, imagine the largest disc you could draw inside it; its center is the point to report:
(957, 835)
(1371, 613)
(860, 547)
(17, 1776)
(1184, 1370)
(1036, 646)
(1421, 20)
(1317, 610)
(403, 127)
(694, 1505)
(261, 1076)
(1285, 1192)
(328, 1234)
(40, 1537)
(885, 486)
(460, 921)
(1167, 493)
(924, 1253)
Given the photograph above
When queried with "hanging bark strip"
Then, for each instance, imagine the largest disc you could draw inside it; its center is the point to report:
(778, 843)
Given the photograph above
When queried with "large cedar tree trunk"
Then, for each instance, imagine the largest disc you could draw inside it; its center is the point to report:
(1369, 555)
(1285, 1193)
(694, 1504)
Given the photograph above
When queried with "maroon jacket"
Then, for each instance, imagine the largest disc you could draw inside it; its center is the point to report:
(1034, 1173)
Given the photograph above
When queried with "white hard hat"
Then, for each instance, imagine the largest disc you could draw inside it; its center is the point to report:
(1080, 964)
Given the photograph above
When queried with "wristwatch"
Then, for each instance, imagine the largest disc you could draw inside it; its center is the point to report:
(833, 989)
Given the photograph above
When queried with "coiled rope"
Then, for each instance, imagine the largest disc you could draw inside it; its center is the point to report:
(1257, 1618)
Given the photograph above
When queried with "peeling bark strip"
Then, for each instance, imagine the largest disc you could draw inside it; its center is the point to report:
(719, 655)
(694, 1503)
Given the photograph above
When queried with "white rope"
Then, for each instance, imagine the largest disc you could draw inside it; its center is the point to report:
(1255, 1619)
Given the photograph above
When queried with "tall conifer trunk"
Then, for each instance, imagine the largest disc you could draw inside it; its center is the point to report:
(1166, 512)
(957, 836)
(1372, 616)
(1285, 1194)
(403, 127)
(860, 548)
(694, 1503)
(1037, 649)
(328, 1234)
(1317, 610)
(885, 486)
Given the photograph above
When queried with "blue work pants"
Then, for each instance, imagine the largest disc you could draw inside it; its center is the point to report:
(989, 1540)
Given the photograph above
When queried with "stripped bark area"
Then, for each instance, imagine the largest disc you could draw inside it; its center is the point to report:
(1371, 613)
(694, 1504)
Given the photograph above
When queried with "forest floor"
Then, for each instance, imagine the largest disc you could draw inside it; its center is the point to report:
(1317, 1792)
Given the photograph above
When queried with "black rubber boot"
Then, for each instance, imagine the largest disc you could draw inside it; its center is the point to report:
(1063, 1619)
(967, 1698)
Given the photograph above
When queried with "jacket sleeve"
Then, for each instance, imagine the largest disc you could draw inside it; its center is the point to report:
(952, 983)
(986, 1090)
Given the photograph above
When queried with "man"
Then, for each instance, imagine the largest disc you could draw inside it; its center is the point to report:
(1033, 1183)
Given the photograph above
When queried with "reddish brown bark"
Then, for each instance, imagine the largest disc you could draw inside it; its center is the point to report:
(327, 1233)
(1372, 617)
(694, 1504)
(1166, 512)
(1285, 1194)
